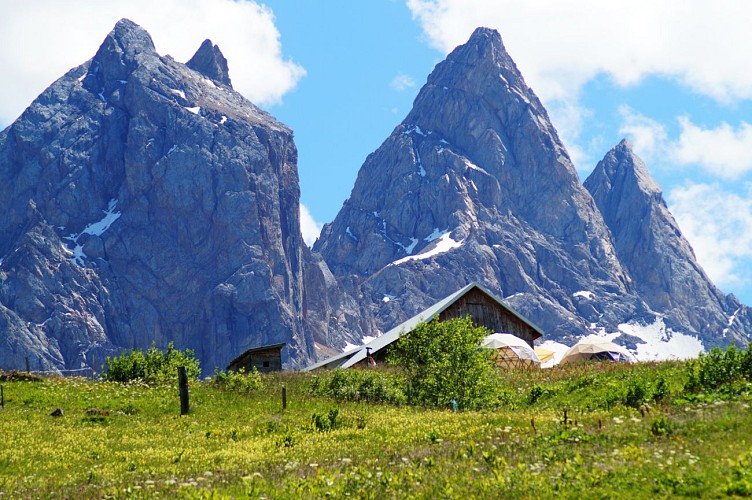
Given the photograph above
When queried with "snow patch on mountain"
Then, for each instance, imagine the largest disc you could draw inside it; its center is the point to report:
(731, 320)
(94, 229)
(443, 244)
(661, 342)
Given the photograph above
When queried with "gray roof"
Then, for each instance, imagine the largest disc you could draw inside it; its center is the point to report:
(354, 356)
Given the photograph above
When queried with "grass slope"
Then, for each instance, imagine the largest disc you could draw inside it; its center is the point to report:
(630, 431)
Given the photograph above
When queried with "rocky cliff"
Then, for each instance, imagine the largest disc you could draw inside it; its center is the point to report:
(143, 200)
(475, 185)
(659, 259)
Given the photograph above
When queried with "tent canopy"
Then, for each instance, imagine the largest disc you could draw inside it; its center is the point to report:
(511, 351)
(545, 355)
(596, 348)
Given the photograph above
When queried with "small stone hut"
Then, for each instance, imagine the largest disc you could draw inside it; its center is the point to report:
(266, 358)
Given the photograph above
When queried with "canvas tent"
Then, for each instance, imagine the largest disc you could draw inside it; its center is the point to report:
(511, 351)
(544, 355)
(596, 349)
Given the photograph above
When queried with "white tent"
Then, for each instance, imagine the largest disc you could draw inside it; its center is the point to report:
(597, 349)
(511, 351)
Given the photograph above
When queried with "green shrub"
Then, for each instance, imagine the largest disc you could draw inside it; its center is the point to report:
(373, 385)
(637, 393)
(153, 366)
(719, 369)
(662, 427)
(443, 363)
(239, 381)
(325, 423)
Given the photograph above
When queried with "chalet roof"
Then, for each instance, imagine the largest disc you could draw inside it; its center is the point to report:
(354, 356)
(256, 349)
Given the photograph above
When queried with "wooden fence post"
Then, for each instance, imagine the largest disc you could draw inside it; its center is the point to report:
(183, 384)
(284, 397)
(2, 397)
(28, 366)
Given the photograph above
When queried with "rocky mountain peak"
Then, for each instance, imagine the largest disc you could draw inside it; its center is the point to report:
(117, 57)
(651, 246)
(209, 61)
(623, 167)
(163, 208)
(474, 173)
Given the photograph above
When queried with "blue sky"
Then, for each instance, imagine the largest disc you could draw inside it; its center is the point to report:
(670, 75)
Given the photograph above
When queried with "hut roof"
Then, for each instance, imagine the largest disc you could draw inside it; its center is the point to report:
(256, 349)
(358, 354)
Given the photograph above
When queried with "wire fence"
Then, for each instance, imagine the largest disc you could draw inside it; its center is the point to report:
(67, 373)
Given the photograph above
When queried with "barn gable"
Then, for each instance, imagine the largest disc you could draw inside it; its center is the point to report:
(266, 358)
(481, 305)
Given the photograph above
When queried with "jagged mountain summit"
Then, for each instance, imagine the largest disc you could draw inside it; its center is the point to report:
(659, 259)
(142, 200)
(475, 185)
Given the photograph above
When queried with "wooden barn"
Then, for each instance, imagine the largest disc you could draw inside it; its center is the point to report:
(266, 358)
(474, 300)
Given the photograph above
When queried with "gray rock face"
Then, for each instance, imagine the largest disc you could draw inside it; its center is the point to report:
(659, 259)
(477, 165)
(475, 185)
(165, 208)
(209, 61)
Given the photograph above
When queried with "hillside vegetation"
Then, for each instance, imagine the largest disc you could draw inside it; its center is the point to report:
(596, 430)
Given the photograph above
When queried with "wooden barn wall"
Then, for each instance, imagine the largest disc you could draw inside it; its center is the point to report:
(256, 359)
(485, 311)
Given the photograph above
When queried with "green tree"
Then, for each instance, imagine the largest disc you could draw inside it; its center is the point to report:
(443, 361)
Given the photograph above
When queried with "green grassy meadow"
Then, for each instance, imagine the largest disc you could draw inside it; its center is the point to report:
(630, 431)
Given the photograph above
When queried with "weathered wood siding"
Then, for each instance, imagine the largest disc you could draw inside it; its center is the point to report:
(485, 311)
(264, 360)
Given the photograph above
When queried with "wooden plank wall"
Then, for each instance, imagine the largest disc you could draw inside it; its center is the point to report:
(271, 357)
(485, 311)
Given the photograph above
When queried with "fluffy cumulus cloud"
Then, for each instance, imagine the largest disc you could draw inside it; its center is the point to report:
(719, 225)
(560, 45)
(41, 40)
(308, 226)
(723, 151)
(649, 137)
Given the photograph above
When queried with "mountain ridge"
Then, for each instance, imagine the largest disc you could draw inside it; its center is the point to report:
(144, 200)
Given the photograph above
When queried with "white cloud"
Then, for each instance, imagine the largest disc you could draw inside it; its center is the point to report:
(722, 151)
(308, 226)
(402, 82)
(41, 40)
(560, 45)
(569, 118)
(718, 224)
(649, 137)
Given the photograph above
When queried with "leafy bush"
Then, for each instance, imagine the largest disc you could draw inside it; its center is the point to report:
(637, 393)
(153, 366)
(239, 381)
(718, 369)
(443, 363)
(325, 423)
(376, 386)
